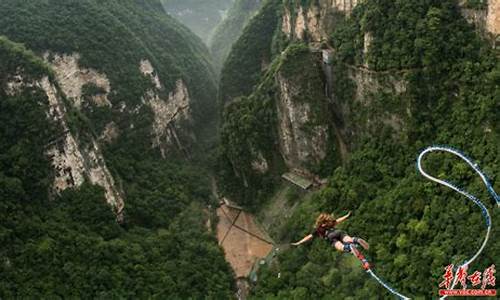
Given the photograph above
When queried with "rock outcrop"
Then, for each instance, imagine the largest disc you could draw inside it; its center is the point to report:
(72, 78)
(313, 23)
(493, 17)
(72, 161)
(485, 18)
(260, 164)
(170, 113)
(147, 69)
(302, 142)
(75, 161)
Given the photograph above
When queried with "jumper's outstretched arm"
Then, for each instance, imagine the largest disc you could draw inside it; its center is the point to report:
(342, 219)
(305, 239)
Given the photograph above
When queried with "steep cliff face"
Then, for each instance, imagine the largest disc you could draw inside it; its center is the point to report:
(485, 15)
(172, 113)
(290, 82)
(364, 76)
(111, 86)
(96, 120)
(72, 79)
(72, 161)
(313, 22)
(303, 111)
(106, 98)
(493, 18)
(306, 132)
(402, 75)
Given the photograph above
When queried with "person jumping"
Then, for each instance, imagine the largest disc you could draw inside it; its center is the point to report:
(325, 229)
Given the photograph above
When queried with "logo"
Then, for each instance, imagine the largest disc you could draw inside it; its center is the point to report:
(475, 284)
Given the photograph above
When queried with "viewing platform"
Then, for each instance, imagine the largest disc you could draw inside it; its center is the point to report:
(298, 180)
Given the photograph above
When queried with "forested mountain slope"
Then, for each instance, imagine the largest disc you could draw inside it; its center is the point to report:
(353, 91)
(108, 113)
(230, 29)
(101, 107)
(146, 100)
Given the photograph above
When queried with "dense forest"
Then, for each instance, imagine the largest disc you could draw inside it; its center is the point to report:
(69, 244)
(379, 82)
(415, 227)
(140, 25)
(242, 68)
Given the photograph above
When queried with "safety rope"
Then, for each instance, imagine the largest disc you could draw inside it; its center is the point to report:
(476, 201)
(484, 210)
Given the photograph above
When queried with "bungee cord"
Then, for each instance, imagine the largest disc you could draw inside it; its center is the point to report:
(475, 200)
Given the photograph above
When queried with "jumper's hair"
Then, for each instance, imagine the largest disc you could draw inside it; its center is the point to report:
(325, 219)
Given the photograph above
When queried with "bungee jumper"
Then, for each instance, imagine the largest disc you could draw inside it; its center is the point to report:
(325, 228)
(325, 223)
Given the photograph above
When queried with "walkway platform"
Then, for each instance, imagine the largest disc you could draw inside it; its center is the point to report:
(298, 180)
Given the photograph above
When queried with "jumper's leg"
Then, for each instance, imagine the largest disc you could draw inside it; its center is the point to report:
(348, 239)
(357, 241)
(339, 246)
(361, 257)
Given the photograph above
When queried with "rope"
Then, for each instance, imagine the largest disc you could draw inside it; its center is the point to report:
(387, 286)
(476, 201)
(233, 224)
(230, 227)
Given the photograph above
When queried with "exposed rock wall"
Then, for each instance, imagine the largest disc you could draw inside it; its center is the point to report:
(303, 142)
(74, 162)
(15, 84)
(72, 78)
(170, 113)
(286, 22)
(313, 22)
(147, 69)
(345, 6)
(487, 20)
(260, 164)
(493, 17)
(476, 17)
(110, 133)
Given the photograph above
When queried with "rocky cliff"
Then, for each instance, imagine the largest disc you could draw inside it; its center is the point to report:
(303, 111)
(493, 17)
(313, 23)
(72, 160)
(105, 107)
(485, 15)
(143, 100)
(360, 73)
(399, 75)
(289, 83)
